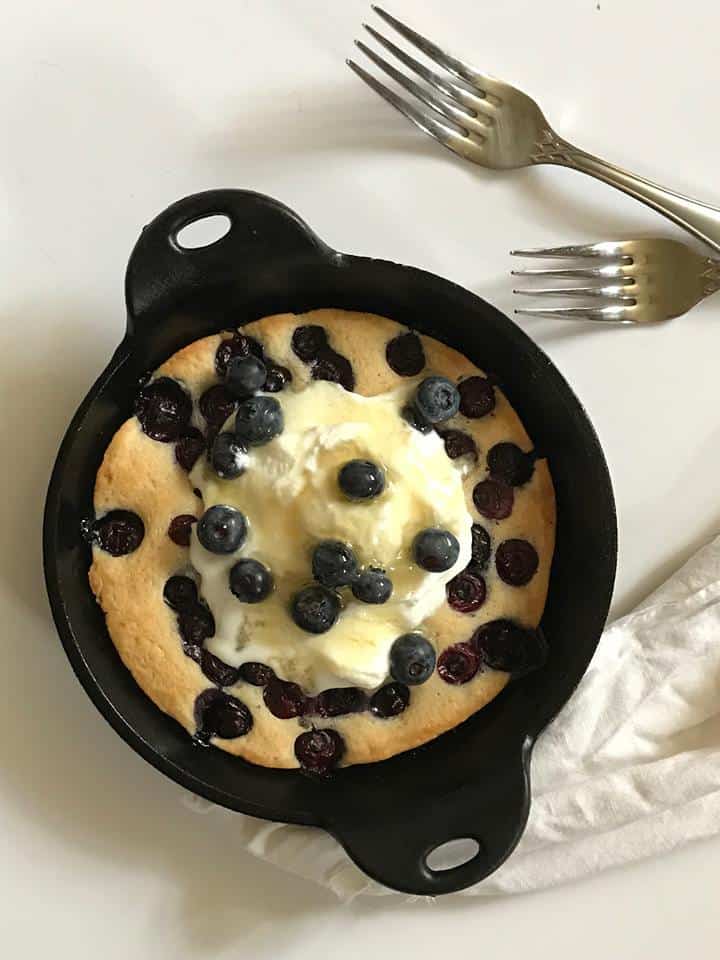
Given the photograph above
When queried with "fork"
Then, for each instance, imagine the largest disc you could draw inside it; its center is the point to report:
(642, 280)
(493, 124)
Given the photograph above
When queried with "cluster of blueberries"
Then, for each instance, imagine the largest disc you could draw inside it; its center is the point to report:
(259, 418)
(315, 609)
(223, 529)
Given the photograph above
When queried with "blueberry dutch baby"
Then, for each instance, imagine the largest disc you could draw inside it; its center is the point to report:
(322, 540)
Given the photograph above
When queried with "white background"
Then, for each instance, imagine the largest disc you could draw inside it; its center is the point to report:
(110, 111)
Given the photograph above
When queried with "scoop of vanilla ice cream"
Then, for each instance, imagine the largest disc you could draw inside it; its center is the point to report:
(290, 496)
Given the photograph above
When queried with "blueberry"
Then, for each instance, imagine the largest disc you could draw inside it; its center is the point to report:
(308, 342)
(361, 479)
(339, 701)
(180, 593)
(417, 421)
(217, 714)
(315, 609)
(258, 674)
(405, 354)
(458, 664)
(481, 546)
(467, 591)
(195, 623)
(477, 397)
(245, 376)
(493, 499)
(437, 399)
(163, 408)
(188, 448)
(119, 532)
(335, 369)
(250, 581)
(258, 420)
(435, 550)
(217, 671)
(319, 751)
(508, 463)
(505, 645)
(390, 700)
(180, 529)
(238, 346)
(222, 529)
(277, 378)
(372, 586)
(412, 659)
(458, 444)
(217, 404)
(284, 699)
(516, 562)
(228, 456)
(333, 563)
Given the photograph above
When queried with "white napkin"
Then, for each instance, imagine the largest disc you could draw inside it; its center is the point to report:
(630, 768)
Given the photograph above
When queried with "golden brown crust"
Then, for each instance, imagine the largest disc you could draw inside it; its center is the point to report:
(140, 474)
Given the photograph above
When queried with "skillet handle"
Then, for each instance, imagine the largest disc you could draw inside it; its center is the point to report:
(392, 846)
(262, 230)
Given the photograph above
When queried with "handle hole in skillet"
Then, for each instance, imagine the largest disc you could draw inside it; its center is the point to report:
(203, 232)
(453, 853)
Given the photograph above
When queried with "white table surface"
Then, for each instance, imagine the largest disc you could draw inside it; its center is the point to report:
(112, 110)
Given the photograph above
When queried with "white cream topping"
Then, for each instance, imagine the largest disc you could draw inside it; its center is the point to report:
(290, 496)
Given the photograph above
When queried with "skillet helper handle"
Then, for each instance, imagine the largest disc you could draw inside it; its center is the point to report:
(262, 230)
(392, 846)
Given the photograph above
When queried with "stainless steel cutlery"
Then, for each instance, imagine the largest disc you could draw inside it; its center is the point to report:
(492, 123)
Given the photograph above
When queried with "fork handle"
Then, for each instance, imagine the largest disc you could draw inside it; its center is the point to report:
(698, 218)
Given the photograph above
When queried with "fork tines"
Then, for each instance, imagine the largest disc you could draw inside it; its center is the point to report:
(617, 292)
(459, 100)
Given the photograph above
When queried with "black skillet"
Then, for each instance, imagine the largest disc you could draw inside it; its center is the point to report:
(472, 782)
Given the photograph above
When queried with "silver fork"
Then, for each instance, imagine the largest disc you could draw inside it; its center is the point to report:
(494, 124)
(634, 281)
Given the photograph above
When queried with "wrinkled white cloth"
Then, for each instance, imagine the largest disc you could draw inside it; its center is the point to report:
(629, 769)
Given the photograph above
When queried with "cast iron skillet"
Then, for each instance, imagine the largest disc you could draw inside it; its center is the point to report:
(471, 782)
